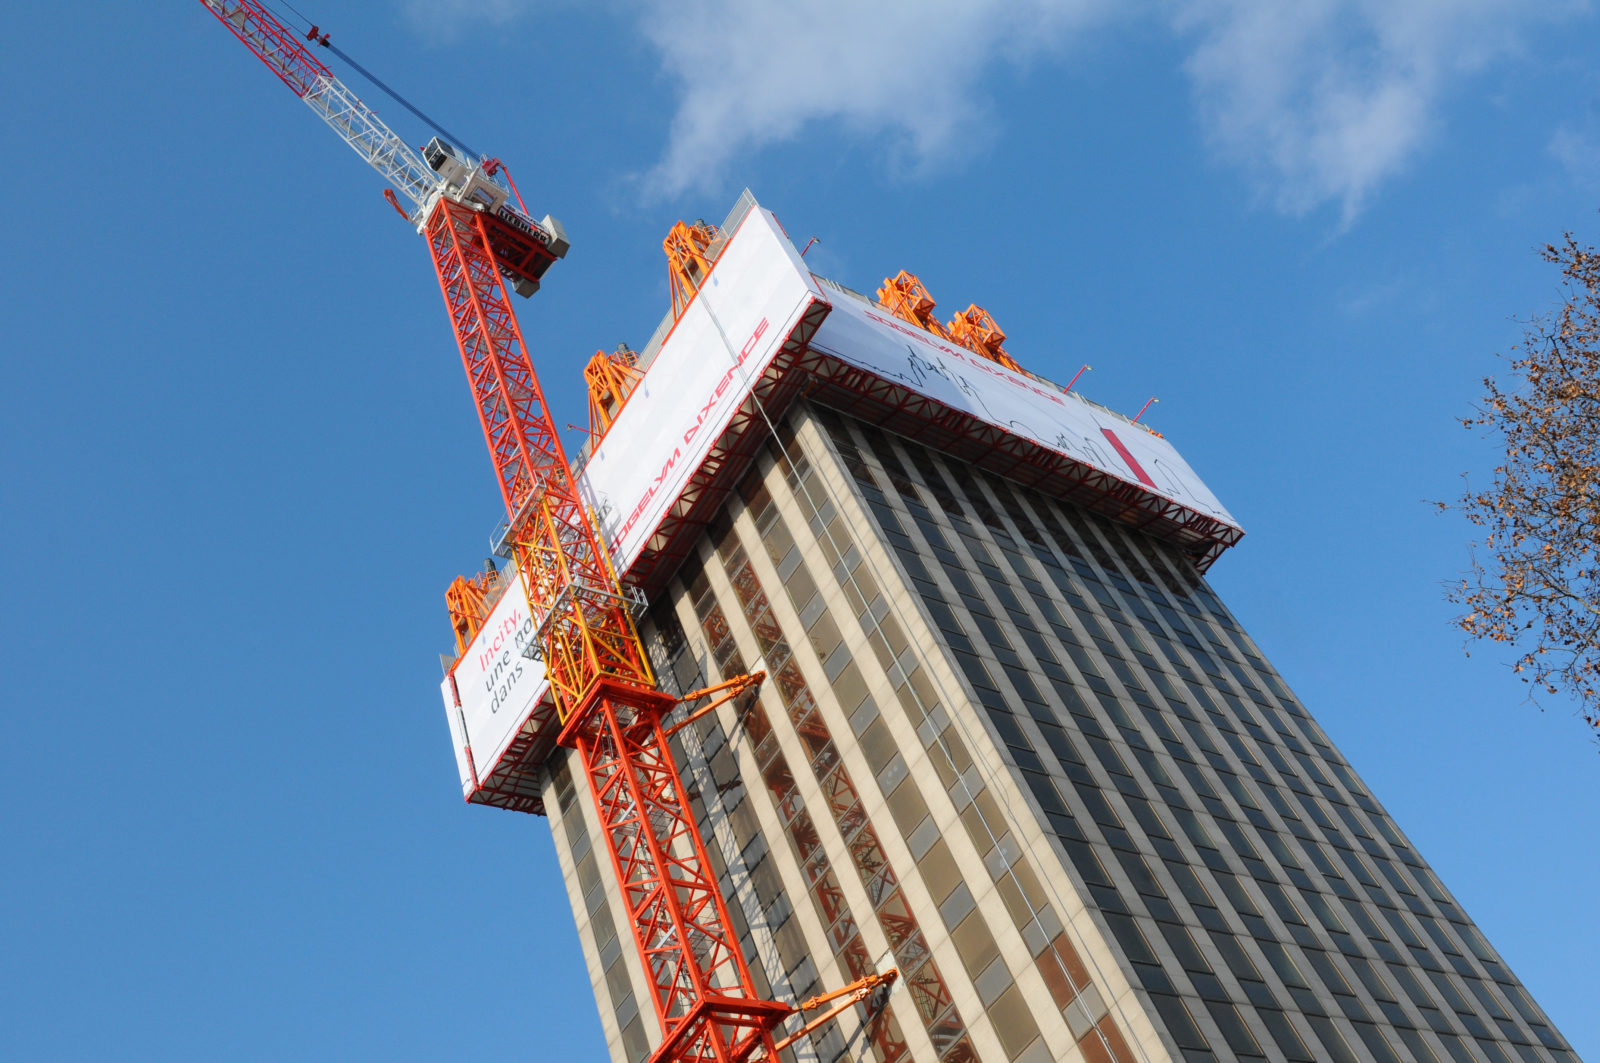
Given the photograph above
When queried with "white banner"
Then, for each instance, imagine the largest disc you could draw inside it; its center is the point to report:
(871, 338)
(498, 686)
(702, 373)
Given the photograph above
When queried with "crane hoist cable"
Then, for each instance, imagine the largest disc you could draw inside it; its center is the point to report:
(314, 35)
(401, 100)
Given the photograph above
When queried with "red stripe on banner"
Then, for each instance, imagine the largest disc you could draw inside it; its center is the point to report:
(1138, 470)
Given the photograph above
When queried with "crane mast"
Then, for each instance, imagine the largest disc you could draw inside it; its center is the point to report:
(606, 698)
(607, 703)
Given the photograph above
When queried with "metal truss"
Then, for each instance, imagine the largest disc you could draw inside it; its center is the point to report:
(701, 988)
(605, 703)
(356, 124)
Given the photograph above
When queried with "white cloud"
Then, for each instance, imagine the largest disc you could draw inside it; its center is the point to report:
(754, 72)
(1323, 100)
(1578, 151)
(1319, 102)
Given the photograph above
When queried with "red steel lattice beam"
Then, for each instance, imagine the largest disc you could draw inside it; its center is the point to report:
(273, 44)
(568, 577)
(603, 690)
(701, 988)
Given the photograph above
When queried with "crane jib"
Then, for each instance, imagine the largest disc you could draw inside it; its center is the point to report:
(271, 41)
(345, 113)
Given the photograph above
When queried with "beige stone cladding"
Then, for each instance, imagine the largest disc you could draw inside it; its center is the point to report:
(1025, 755)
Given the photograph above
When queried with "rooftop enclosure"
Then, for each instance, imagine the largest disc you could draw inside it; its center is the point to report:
(761, 331)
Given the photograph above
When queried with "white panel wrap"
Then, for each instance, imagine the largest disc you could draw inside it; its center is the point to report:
(702, 373)
(499, 687)
(873, 339)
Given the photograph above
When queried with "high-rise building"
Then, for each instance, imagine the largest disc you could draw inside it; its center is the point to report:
(1009, 742)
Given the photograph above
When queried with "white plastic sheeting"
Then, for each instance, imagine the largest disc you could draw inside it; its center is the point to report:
(873, 339)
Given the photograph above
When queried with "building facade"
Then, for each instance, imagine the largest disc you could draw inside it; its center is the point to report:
(1009, 742)
(1024, 754)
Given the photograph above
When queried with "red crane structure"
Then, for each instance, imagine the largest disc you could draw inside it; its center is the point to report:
(606, 702)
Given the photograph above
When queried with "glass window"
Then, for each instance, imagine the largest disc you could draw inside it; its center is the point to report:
(1234, 1030)
(1285, 1035)
(974, 943)
(1175, 1015)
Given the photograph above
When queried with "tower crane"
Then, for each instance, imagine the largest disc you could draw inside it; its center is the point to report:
(485, 245)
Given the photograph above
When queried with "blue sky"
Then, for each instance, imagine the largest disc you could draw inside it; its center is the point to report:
(239, 464)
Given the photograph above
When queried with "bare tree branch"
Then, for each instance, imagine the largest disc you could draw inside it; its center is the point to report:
(1533, 582)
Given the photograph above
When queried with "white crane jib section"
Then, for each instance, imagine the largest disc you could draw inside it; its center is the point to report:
(359, 126)
(345, 113)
